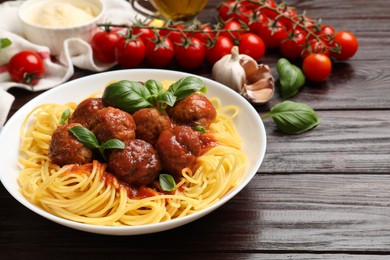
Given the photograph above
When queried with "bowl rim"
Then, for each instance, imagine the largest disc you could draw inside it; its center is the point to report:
(22, 11)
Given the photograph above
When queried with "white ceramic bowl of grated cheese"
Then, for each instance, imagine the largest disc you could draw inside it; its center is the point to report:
(51, 22)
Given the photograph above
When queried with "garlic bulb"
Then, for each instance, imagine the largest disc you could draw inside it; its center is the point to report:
(242, 73)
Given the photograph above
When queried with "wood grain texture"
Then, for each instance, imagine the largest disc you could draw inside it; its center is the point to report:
(324, 194)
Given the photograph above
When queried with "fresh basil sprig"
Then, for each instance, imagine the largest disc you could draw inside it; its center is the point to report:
(88, 138)
(291, 78)
(167, 182)
(131, 96)
(65, 115)
(293, 117)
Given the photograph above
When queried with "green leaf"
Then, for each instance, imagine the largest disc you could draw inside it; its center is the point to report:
(85, 136)
(127, 95)
(167, 182)
(200, 128)
(5, 42)
(113, 144)
(291, 78)
(293, 118)
(166, 99)
(65, 115)
(154, 87)
(186, 86)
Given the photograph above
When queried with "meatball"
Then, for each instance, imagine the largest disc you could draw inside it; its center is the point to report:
(109, 123)
(137, 164)
(150, 122)
(178, 149)
(66, 149)
(194, 110)
(85, 110)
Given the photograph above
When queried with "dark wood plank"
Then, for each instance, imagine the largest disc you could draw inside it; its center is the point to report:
(344, 141)
(274, 214)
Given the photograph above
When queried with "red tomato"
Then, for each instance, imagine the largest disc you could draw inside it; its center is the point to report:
(317, 67)
(289, 13)
(254, 20)
(222, 46)
(326, 33)
(252, 45)
(159, 52)
(267, 12)
(190, 55)
(348, 44)
(232, 10)
(26, 67)
(232, 26)
(130, 52)
(293, 47)
(316, 46)
(272, 37)
(143, 33)
(174, 35)
(206, 36)
(103, 45)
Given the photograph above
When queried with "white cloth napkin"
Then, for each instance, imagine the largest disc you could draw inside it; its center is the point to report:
(76, 52)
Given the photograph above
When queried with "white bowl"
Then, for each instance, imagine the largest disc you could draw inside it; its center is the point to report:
(248, 124)
(54, 37)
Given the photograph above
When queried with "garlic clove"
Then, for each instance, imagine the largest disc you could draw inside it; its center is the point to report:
(260, 96)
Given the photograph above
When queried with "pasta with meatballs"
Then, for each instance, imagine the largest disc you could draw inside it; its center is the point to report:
(191, 142)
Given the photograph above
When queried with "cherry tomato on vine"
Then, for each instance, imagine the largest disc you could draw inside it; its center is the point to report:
(174, 35)
(103, 45)
(191, 54)
(231, 10)
(288, 15)
(143, 33)
(326, 33)
(293, 47)
(130, 52)
(316, 46)
(206, 36)
(272, 34)
(252, 45)
(348, 44)
(26, 67)
(222, 46)
(253, 19)
(233, 27)
(159, 51)
(268, 12)
(317, 67)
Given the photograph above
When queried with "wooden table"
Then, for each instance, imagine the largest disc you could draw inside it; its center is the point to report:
(324, 194)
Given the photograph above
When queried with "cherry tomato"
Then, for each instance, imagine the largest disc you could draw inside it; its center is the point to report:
(222, 46)
(206, 36)
(272, 37)
(191, 54)
(253, 19)
(143, 33)
(103, 45)
(233, 27)
(130, 52)
(252, 45)
(316, 46)
(348, 44)
(232, 10)
(293, 47)
(159, 51)
(267, 12)
(174, 35)
(317, 67)
(326, 33)
(26, 67)
(289, 13)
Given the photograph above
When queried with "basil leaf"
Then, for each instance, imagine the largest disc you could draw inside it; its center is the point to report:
(155, 88)
(186, 86)
(127, 95)
(200, 128)
(293, 118)
(113, 144)
(65, 115)
(4, 43)
(167, 182)
(166, 99)
(85, 136)
(291, 78)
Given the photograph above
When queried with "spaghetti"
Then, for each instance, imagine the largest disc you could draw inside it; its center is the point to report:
(88, 194)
